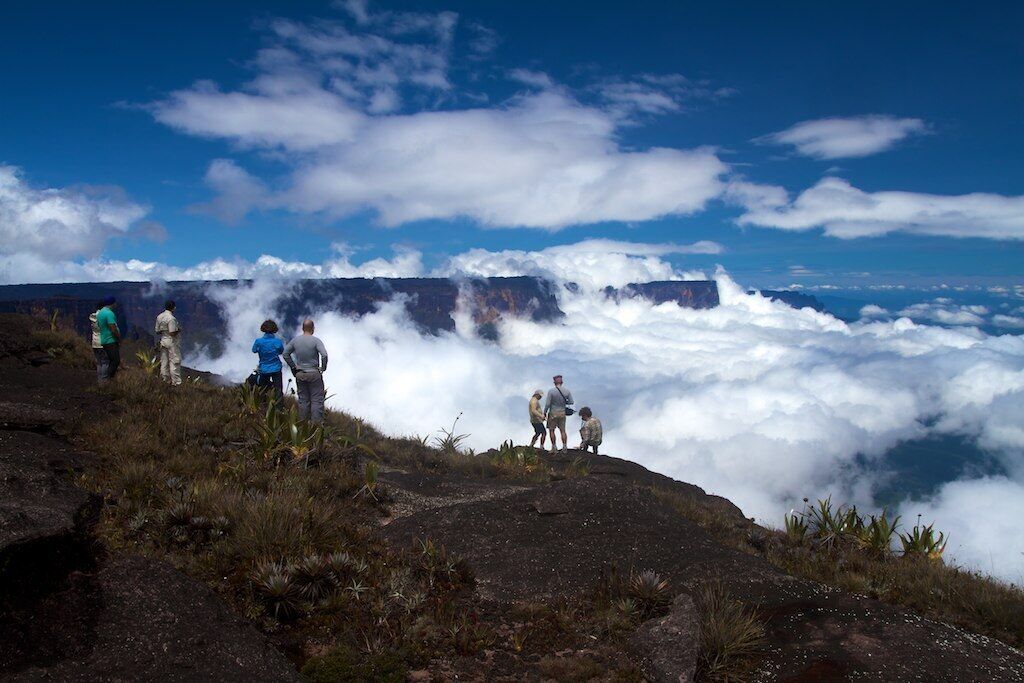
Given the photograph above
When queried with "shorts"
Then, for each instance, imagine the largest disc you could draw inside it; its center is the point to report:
(556, 421)
(538, 428)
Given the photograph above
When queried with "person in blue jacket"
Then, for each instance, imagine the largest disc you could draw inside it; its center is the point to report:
(270, 348)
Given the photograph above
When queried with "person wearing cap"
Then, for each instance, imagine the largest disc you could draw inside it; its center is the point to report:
(556, 407)
(168, 334)
(591, 433)
(110, 336)
(102, 364)
(537, 418)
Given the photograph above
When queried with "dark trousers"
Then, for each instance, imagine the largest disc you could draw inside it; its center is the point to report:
(274, 385)
(113, 358)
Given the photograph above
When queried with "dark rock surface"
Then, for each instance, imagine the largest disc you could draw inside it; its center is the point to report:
(667, 647)
(794, 299)
(686, 293)
(153, 623)
(518, 554)
(68, 613)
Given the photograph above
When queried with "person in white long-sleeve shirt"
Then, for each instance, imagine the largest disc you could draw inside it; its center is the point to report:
(559, 398)
(168, 333)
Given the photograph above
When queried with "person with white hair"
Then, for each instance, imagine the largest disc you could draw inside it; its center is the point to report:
(537, 419)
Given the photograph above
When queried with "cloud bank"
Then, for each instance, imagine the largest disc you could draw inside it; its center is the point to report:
(62, 222)
(753, 400)
(855, 136)
(847, 212)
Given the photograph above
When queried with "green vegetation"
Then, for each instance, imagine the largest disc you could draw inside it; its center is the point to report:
(840, 547)
(731, 635)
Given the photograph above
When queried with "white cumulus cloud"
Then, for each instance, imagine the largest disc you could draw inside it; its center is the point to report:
(847, 212)
(329, 101)
(51, 223)
(854, 136)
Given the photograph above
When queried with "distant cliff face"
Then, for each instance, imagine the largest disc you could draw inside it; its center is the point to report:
(794, 299)
(430, 302)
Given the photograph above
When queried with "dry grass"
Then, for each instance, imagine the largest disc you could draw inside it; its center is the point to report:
(731, 635)
(187, 475)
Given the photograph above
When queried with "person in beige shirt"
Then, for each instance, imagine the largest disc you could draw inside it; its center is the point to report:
(168, 333)
(537, 418)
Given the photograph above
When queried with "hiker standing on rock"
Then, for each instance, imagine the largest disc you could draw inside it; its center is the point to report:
(270, 348)
(110, 336)
(97, 347)
(591, 433)
(556, 408)
(537, 418)
(168, 333)
(307, 358)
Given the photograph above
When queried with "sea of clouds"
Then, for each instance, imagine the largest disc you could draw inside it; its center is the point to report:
(754, 400)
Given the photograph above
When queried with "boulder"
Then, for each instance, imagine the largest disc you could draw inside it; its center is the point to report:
(667, 648)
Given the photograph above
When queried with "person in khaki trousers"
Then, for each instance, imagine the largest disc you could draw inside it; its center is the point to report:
(168, 333)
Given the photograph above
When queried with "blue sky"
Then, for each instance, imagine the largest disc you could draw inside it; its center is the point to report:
(90, 112)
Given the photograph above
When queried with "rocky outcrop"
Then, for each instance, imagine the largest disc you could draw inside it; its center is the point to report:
(667, 647)
(430, 302)
(151, 622)
(554, 541)
(67, 612)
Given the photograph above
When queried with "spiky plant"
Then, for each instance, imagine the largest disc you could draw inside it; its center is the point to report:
(199, 528)
(627, 608)
(270, 431)
(357, 588)
(922, 541)
(577, 468)
(177, 518)
(249, 398)
(649, 591)
(276, 588)
(448, 441)
(148, 361)
(370, 472)
(875, 538)
(830, 526)
(220, 526)
(138, 522)
(313, 577)
(340, 565)
(730, 633)
(796, 527)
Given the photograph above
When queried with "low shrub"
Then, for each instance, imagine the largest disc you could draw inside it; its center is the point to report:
(731, 634)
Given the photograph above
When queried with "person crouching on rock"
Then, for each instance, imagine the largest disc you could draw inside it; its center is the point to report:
(537, 419)
(556, 407)
(270, 348)
(590, 431)
(306, 355)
